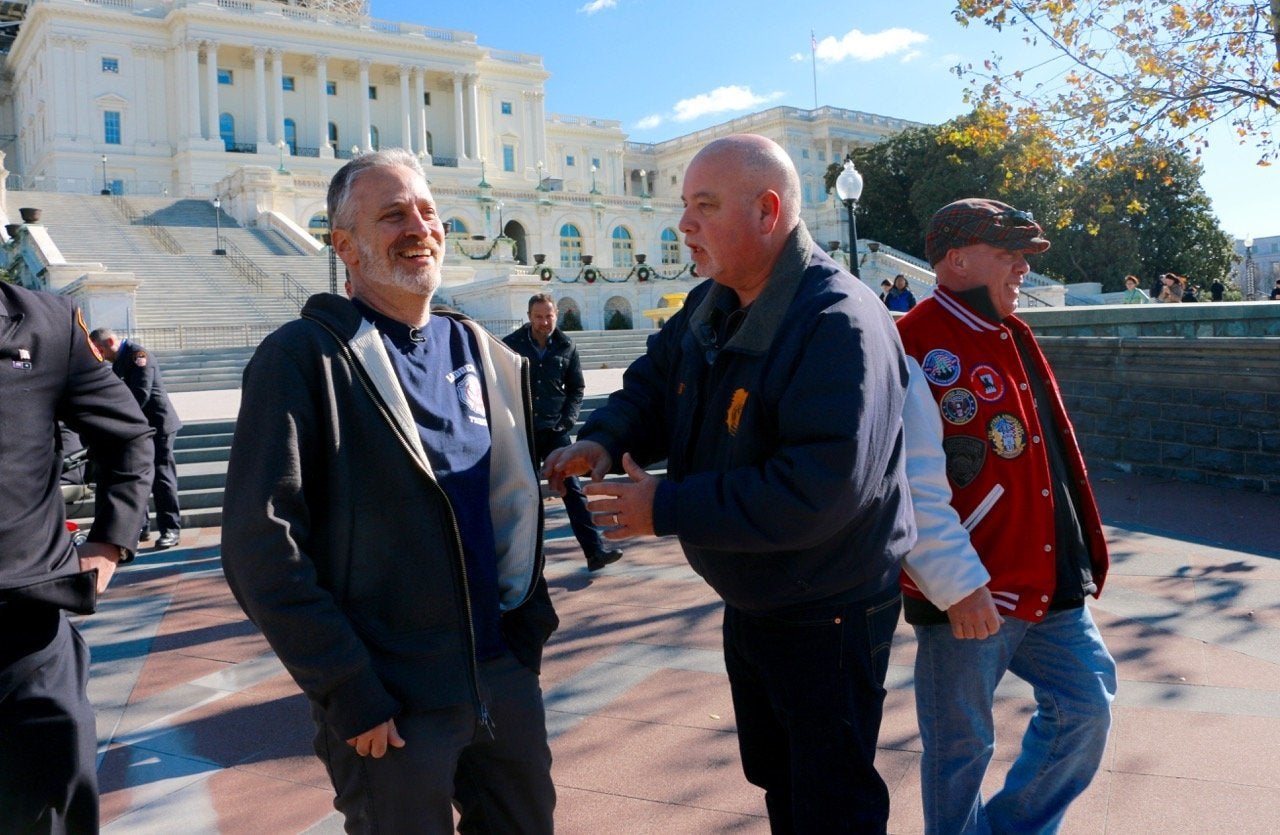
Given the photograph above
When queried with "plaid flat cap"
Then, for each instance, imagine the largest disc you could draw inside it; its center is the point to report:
(976, 220)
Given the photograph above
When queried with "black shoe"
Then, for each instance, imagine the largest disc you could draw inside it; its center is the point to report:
(168, 539)
(144, 534)
(603, 557)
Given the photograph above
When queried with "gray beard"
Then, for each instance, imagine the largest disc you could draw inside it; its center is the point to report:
(410, 282)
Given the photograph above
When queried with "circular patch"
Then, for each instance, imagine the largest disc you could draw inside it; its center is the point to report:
(987, 383)
(1007, 435)
(941, 367)
(958, 406)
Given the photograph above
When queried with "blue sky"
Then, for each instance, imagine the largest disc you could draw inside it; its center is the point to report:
(668, 67)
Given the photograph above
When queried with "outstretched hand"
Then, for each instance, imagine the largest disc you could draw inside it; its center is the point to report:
(626, 508)
(586, 458)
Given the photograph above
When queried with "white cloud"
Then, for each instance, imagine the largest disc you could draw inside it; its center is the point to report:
(720, 100)
(596, 5)
(649, 122)
(860, 46)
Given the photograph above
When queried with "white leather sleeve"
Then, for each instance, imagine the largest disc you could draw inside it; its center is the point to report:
(943, 564)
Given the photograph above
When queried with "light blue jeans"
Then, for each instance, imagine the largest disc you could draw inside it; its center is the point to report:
(1074, 679)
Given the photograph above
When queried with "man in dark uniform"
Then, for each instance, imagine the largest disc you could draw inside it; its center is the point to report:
(557, 397)
(50, 372)
(137, 367)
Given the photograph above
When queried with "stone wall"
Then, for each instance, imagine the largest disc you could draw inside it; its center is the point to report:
(1204, 410)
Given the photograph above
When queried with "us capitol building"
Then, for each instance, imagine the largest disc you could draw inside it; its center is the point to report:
(256, 103)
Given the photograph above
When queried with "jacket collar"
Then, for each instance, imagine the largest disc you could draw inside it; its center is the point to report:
(962, 307)
(766, 314)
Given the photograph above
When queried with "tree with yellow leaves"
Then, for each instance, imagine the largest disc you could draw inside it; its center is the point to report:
(1161, 71)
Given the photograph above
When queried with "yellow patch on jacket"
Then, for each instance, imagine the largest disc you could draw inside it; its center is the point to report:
(734, 416)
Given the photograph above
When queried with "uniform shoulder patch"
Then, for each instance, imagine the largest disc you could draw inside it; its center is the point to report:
(733, 419)
(140, 359)
(965, 457)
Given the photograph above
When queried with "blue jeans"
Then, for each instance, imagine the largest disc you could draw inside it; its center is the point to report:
(808, 694)
(1074, 679)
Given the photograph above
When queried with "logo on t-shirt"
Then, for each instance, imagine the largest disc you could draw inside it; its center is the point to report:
(467, 384)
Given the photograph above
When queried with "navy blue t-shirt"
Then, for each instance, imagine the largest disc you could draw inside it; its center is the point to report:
(438, 368)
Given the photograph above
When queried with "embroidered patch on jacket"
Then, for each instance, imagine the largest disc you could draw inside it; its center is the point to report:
(958, 406)
(1007, 435)
(733, 418)
(965, 457)
(941, 367)
(140, 359)
(987, 383)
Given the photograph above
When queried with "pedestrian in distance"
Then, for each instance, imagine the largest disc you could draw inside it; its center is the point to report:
(1132, 294)
(558, 386)
(383, 528)
(138, 368)
(51, 374)
(899, 299)
(775, 396)
(998, 582)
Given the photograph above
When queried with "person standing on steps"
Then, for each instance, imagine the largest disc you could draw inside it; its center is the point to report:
(137, 367)
(557, 397)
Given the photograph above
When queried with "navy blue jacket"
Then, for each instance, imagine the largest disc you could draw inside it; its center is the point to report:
(784, 446)
(49, 372)
(558, 385)
(137, 367)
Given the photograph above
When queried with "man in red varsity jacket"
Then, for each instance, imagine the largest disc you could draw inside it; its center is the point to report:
(999, 577)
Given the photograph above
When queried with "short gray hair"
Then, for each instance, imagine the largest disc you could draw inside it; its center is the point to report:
(340, 186)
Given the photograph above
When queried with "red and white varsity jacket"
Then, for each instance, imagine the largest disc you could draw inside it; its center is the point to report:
(995, 458)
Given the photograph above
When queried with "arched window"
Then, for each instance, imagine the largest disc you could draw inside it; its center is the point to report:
(456, 226)
(374, 141)
(623, 250)
(333, 135)
(227, 130)
(430, 143)
(291, 136)
(670, 246)
(319, 227)
(570, 246)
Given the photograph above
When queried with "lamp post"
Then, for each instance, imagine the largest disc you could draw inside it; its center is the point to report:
(644, 184)
(594, 190)
(106, 189)
(281, 145)
(849, 189)
(501, 233)
(1250, 277)
(540, 187)
(217, 227)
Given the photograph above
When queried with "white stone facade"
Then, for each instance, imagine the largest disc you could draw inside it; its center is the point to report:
(259, 102)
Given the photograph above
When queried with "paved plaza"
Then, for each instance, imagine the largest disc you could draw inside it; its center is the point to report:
(202, 730)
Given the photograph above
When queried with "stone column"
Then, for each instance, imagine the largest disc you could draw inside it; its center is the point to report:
(406, 104)
(366, 142)
(277, 64)
(459, 137)
(193, 88)
(211, 81)
(322, 82)
(260, 85)
(473, 118)
(420, 108)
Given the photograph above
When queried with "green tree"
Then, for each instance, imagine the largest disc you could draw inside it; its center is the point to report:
(1141, 211)
(1156, 70)
(911, 175)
